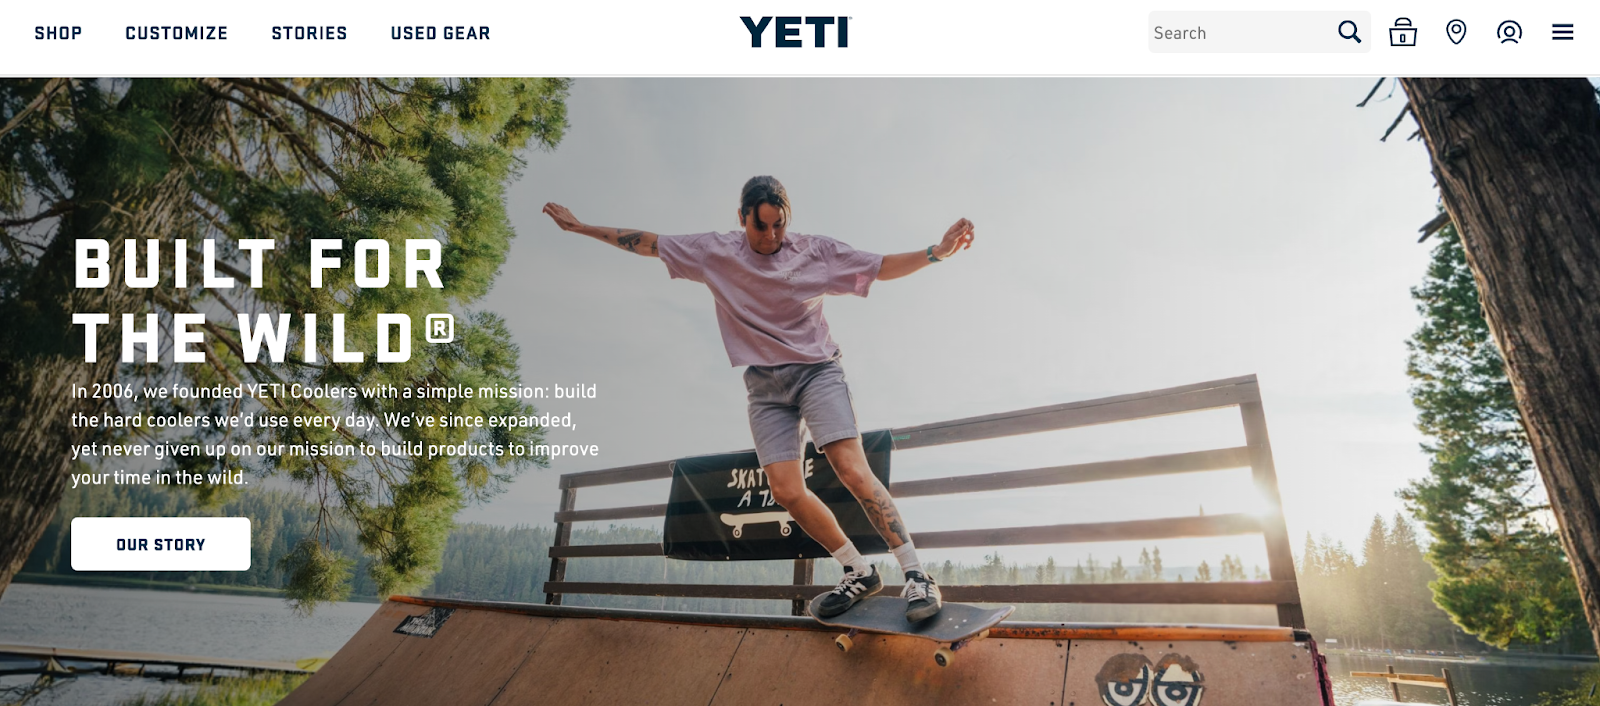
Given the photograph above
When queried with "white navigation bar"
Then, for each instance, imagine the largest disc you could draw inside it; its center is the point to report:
(797, 37)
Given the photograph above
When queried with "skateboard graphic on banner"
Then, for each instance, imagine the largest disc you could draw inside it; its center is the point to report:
(737, 522)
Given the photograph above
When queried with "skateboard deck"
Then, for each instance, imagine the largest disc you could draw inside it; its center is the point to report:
(956, 625)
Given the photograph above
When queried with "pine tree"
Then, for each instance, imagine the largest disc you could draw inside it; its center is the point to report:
(1502, 575)
(1411, 603)
(1117, 574)
(1310, 559)
(1050, 571)
(288, 161)
(993, 570)
(1203, 573)
(1374, 573)
(1232, 568)
(1155, 565)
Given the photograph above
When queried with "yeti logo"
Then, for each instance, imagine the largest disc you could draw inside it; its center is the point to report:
(1130, 680)
(788, 30)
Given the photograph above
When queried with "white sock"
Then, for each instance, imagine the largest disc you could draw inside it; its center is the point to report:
(907, 554)
(851, 560)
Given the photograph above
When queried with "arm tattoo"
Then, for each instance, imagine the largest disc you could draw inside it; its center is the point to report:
(629, 240)
(884, 516)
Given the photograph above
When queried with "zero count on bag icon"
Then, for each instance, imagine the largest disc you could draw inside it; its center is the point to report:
(1402, 34)
(1456, 30)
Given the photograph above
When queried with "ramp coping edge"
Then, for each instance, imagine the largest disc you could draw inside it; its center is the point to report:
(1032, 630)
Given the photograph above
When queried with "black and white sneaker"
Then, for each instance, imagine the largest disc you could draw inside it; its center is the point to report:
(922, 597)
(851, 590)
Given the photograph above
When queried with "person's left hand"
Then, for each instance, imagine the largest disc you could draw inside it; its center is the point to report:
(959, 237)
(563, 217)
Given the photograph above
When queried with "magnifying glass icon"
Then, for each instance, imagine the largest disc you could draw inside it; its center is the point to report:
(1351, 34)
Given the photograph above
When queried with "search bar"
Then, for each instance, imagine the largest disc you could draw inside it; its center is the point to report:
(1260, 32)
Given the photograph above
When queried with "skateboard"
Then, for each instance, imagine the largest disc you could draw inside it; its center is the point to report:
(956, 625)
(737, 522)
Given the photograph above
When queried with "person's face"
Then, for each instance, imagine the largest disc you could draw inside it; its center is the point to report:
(764, 228)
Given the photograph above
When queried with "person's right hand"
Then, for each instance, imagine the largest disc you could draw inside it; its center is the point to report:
(563, 218)
(959, 237)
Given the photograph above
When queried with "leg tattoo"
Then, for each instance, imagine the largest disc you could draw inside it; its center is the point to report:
(884, 516)
(851, 465)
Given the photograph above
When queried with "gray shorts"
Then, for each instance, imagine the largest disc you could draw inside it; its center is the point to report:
(783, 395)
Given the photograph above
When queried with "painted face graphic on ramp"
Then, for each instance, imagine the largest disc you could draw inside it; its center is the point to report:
(1176, 682)
(1124, 680)
(1130, 680)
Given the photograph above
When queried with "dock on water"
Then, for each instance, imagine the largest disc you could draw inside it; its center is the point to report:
(67, 661)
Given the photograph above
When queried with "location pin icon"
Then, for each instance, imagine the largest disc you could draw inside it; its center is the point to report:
(1457, 31)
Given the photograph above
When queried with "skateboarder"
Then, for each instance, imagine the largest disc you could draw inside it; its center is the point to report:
(768, 284)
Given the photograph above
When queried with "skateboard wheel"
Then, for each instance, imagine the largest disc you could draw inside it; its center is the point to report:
(844, 643)
(944, 657)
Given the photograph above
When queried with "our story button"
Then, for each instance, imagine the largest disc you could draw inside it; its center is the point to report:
(161, 544)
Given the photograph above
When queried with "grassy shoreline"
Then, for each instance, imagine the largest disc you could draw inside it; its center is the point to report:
(258, 690)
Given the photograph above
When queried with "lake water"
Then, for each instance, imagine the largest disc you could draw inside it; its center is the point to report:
(250, 627)
(1476, 684)
(171, 622)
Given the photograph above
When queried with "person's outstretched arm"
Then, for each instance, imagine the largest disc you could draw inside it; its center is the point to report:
(634, 241)
(959, 237)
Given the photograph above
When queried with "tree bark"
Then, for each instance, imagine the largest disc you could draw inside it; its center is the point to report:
(42, 352)
(1518, 165)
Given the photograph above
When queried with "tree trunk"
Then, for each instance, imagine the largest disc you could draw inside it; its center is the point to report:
(42, 352)
(1518, 165)
(37, 390)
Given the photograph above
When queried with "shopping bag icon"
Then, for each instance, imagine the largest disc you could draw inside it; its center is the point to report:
(1402, 34)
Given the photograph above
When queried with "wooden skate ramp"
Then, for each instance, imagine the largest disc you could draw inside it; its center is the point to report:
(436, 651)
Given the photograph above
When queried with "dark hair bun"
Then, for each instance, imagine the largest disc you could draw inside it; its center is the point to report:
(763, 190)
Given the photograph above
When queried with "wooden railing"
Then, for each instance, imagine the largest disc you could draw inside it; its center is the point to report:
(1242, 392)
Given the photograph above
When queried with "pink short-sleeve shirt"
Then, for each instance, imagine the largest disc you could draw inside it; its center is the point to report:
(769, 307)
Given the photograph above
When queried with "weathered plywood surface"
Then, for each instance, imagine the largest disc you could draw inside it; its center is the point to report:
(363, 655)
(1190, 674)
(605, 662)
(495, 656)
(802, 667)
(465, 663)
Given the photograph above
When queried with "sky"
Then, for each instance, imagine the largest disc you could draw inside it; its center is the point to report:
(1132, 234)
